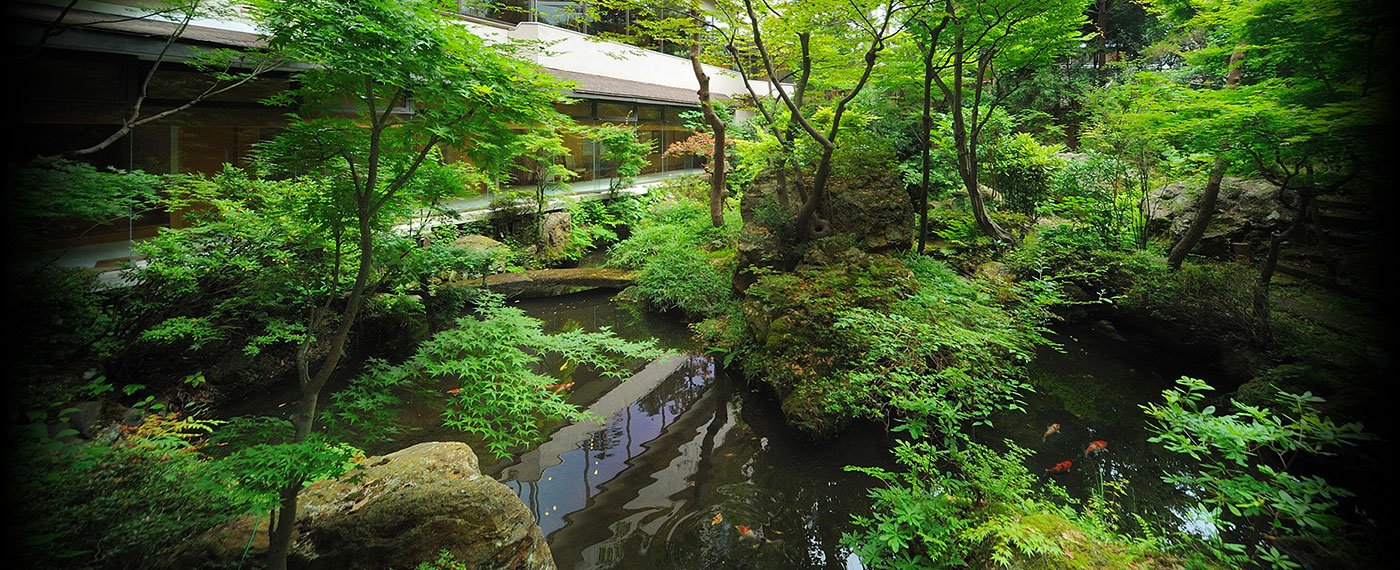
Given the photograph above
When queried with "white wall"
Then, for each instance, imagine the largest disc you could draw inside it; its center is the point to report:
(573, 51)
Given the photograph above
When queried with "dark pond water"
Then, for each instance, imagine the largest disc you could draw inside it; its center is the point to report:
(1094, 387)
(687, 453)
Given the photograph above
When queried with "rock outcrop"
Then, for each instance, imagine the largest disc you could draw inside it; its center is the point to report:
(875, 210)
(556, 234)
(394, 511)
(1247, 211)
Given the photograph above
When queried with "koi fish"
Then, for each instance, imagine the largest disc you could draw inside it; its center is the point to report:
(1059, 467)
(747, 534)
(1096, 447)
(1050, 431)
(454, 390)
(560, 387)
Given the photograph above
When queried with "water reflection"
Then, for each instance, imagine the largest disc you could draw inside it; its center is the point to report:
(683, 456)
(565, 473)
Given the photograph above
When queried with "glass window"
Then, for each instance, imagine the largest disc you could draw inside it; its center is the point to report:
(562, 13)
(510, 11)
(617, 111)
(577, 110)
(649, 113)
(614, 21)
(653, 139)
(673, 115)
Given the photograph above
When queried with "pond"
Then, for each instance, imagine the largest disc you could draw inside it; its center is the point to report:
(688, 453)
(1093, 385)
(686, 457)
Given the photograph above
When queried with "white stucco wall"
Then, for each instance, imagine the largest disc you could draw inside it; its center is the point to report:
(574, 51)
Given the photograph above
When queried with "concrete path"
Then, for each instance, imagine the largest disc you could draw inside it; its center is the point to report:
(103, 256)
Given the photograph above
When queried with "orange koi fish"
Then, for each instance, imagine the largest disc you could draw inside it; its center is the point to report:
(454, 390)
(559, 387)
(748, 534)
(1096, 447)
(1059, 467)
(1050, 431)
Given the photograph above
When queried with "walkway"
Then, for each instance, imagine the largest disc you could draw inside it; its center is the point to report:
(104, 256)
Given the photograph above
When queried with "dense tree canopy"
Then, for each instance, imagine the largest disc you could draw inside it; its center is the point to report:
(1032, 140)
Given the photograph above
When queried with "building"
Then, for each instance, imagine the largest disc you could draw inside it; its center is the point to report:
(81, 66)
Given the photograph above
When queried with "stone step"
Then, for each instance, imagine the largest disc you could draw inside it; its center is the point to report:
(1341, 238)
(1305, 271)
(1342, 202)
(1347, 219)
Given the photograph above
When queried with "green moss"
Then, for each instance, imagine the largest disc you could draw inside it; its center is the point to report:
(1083, 548)
(850, 334)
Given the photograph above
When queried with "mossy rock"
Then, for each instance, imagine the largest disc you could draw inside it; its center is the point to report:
(395, 511)
(1079, 550)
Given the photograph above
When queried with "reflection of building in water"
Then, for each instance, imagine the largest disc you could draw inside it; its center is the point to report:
(569, 472)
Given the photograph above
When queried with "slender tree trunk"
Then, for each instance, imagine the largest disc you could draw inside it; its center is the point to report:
(717, 162)
(1204, 211)
(926, 128)
(965, 137)
(1212, 190)
(1266, 269)
(304, 417)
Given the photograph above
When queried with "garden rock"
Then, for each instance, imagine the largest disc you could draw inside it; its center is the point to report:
(395, 511)
(1246, 212)
(556, 234)
(874, 210)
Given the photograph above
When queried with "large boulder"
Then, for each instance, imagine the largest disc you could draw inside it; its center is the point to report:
(556, 234)
(873, 209)
(1246, 212)
(395, 511)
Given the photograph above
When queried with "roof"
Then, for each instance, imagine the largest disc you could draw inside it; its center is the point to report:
(596, 86)
(228, 34)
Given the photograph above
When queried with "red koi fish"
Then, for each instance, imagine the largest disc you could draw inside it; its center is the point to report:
(1050, 431)
(1096, 447)
(1059, 467)
(559, 387)
(744, 531)
(454, 390)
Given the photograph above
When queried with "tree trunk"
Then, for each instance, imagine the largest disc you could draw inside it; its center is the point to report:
(1205, 210)
(965, 138)
(926, 125)
(1212, 191)
(1266, 270)
(717, 163)
(304, 418)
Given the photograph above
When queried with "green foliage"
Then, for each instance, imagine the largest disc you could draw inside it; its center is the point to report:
(271, 461)
(867, 336)
(952, 507)
(621, 151)
(1210, 301)
(1068, 255)
(683, 261)
(1022, 170)
(125, 504)
(444, 561)
(1090, 194)
(1246, 456)
(490, 361)
(598, 222)
(58, 198)
(239, 277)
